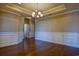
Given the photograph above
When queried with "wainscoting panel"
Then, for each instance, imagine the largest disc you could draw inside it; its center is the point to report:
(10, 38)
(65, 38)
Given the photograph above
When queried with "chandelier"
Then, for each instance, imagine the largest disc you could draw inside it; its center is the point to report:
(37, 14)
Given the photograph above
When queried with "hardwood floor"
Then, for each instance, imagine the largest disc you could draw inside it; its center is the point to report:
(31, 47)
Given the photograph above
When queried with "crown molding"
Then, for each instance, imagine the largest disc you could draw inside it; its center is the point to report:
(58, 14)
(65, 12)
(55, 9)
(13, 9)
(7, 11)
(19, 9)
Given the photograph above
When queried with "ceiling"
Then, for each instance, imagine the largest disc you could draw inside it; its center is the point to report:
(46, 8)
(39, 6)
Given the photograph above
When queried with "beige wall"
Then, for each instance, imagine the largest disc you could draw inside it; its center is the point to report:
(10, 22)
(62, 29)
(11, 29)
(63, 23)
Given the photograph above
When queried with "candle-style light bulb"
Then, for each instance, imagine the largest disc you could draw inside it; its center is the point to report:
(36, 10)
(37, 16)
(39, 13)
(33, 13)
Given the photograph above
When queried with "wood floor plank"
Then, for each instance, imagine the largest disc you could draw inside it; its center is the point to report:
(31, 47)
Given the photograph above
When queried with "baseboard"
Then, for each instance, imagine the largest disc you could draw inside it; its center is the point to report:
(30, 38)
(64, 38)
(10, 38)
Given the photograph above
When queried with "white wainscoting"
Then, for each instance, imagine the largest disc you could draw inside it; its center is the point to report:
(10, 38)
(65, 38)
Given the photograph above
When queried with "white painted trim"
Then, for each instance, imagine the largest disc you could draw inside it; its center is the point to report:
(54, 15)
(10, 38)
(19, 9)
(67, 12)
(64, 38)
(55, 9)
